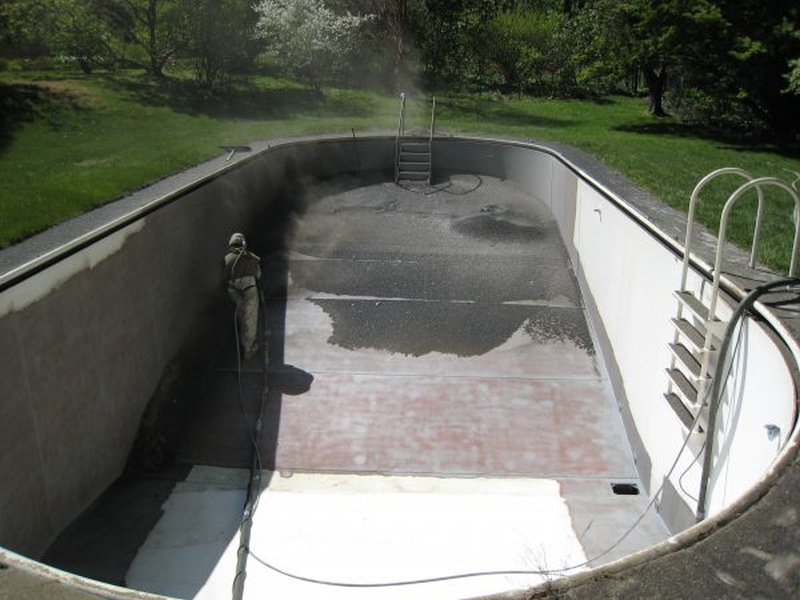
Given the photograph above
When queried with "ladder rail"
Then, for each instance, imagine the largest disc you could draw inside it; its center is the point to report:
(413, 154)
(714, 400)
(430, 140)
(710, 318)
(723, 227)
(401, 127)
(693, 202)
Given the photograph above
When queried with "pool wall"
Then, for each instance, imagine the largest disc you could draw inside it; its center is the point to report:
(629, 270)
(86, 331)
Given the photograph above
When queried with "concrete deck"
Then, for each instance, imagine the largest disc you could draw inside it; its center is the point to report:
(435, 406)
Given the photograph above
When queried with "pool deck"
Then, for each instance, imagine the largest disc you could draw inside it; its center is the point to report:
(435, 407)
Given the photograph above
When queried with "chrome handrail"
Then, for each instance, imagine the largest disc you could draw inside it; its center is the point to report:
(430, 140)
(401, 126)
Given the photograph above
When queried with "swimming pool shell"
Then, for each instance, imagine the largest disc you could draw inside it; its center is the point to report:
(151, 251)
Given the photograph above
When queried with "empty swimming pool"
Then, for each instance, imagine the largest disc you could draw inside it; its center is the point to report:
(463, 390)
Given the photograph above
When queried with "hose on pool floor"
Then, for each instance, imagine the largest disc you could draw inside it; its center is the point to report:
(711, 393)
(254, 482)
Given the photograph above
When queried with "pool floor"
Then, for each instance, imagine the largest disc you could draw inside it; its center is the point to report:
(435, 406)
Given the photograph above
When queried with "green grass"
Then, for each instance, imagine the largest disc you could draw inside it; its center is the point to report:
(70, 142)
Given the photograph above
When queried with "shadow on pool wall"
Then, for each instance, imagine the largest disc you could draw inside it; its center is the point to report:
(79, 377)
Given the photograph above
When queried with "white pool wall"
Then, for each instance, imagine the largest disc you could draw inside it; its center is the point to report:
(629, 271)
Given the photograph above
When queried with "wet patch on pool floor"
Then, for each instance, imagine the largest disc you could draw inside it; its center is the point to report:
(446, 335)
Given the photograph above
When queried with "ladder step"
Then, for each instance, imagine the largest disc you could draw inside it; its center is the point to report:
(409, 166)
(683, 385)
(678, 407)
(700, 310)
(694, 333)
(686, 358)
(413, 145)
(414, 175)
(694, 304)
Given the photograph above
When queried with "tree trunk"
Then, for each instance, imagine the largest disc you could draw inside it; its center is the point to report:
(399, 60)
(656, 85)
(156, 65)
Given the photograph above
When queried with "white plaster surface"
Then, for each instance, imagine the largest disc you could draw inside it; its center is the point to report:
(187, 553)
(351, 529)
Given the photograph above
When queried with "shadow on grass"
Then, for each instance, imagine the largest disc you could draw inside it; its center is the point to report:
(243, 101)
(496, 111)
(22, 103)
(726, 140)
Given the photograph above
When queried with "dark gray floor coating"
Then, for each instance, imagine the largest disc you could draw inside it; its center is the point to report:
(418, 328)
(513, 252)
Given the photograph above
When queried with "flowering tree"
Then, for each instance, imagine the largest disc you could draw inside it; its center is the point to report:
(308, 38)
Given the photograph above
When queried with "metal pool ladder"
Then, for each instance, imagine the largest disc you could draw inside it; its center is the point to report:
(698, 326)
(413, 155)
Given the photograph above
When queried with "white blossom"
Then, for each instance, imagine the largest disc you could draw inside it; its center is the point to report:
(308, 37)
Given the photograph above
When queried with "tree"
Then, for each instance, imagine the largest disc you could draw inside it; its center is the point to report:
(678, 36)
(518, 43)
(80, 32)
(384, 36)
(446, 31)
(219, 38)
(397, 23)
(70, 29)
(765, 38)
(24, 27)
(793, 76)
(308, 38)
(154, 31)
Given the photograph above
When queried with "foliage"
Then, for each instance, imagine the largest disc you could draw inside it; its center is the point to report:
(146, 33)
(59, 159)
(308, 38)
(672, 36)
(80, 33)
(219, 39)
(446, 32)
(765, 38)
(519, 45)
(793, 77)
(155, 31)
(733, 63)
(384, 43)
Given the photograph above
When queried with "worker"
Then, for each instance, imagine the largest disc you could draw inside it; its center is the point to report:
(243, 271)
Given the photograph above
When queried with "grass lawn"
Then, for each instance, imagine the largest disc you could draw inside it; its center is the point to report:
(69, 142)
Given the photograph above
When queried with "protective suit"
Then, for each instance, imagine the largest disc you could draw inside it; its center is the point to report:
(243, 271)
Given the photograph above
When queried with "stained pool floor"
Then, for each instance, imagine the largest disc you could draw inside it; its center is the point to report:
(435, 406)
